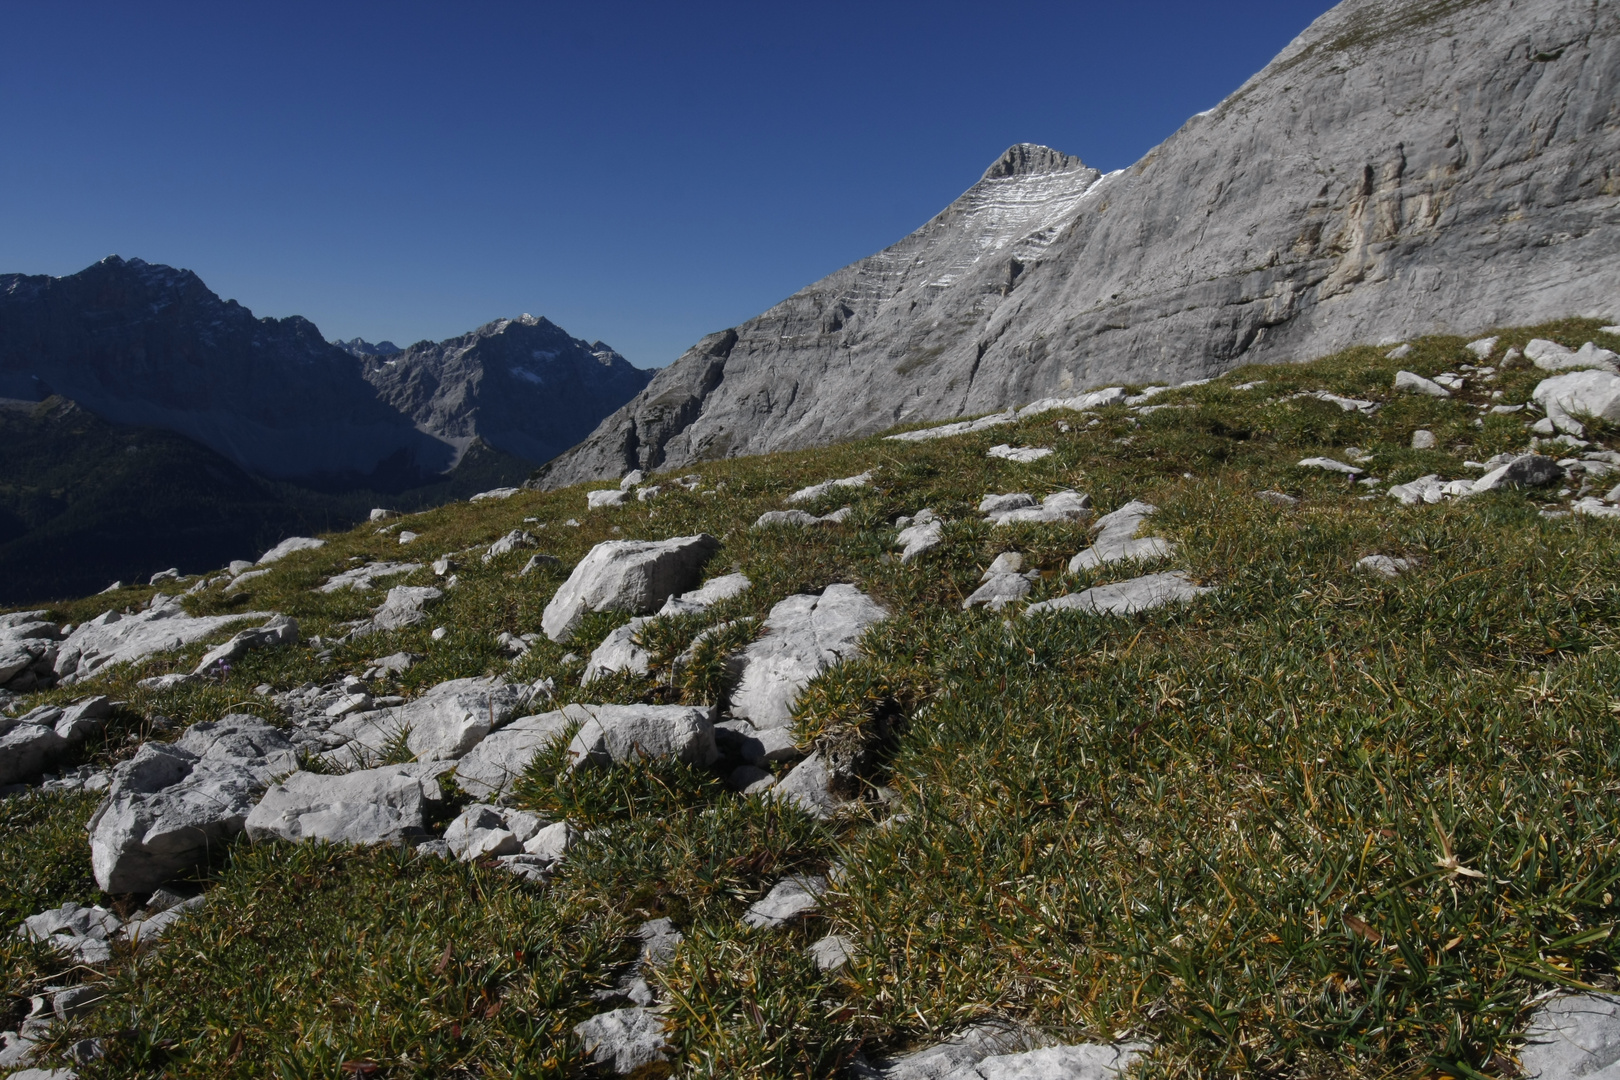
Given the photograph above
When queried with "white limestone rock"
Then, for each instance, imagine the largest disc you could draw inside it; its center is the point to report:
(1116, 539)
(1423, 439)
(921, 534)
(789, 899)
(1059, 506)
(172, 802)
(26, 750)
(633, 576)
(618, 653)
(1411, 382)
(1573, 1036)
(1526, 470)
(1330, 465)
(710, 593)
(280, 630)
(802, 636)
(1582, 394)
(624, 1040)
(816, 491)
(443, 724)
(516, 540)
(616, 734)
(405, 606)
(597, 500)
(1483, 347)
(288, 546)
(1087, 1061)
(480, 832)
(1384, 565)
(114, 638)
(1126, 597)
(810, 788)
(364, 577)
(1551, 356)
(832, 952)
(83, 933)
(495, 493)
(371, 806)
(997, 591)
(1023, 455)
(490, 768)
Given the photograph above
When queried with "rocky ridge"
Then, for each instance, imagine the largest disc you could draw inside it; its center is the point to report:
(1398, 169)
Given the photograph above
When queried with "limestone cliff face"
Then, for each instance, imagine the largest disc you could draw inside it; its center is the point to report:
(1401, 168)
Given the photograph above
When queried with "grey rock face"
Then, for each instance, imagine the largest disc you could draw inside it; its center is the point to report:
(172, 801)
(1125, 597)
(618, 652)
(803, 636)
(138, 343)
(27, 750)
(112, 638)
(84, 933)
(372, 806)
(810, 788)
(627, 575)
(522, 385)
(1580, 394)
(1397, 170)
(492, 766)
(1576, 1035)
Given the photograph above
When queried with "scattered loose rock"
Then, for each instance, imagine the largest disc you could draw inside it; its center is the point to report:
(362, 578)
(491, 767)
(616, 734)
(441, 725)
(288, 546)
(114, 638)
(1329, 465)
(597, 500)
(1384, 565)
(516, 540)
(1423, 439)
(405, 606)
(1019, 507)
(1573, 1035)
(832, 952)
(922, 533)
(280, 630)
(1551, 356)
(624, 1040)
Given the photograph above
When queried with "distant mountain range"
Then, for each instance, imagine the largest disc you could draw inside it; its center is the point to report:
(1403, 167)
(130, 387)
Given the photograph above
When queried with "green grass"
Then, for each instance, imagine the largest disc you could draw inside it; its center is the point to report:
(1318, 823)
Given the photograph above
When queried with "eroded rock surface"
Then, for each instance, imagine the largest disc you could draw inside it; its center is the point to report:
(627, 575)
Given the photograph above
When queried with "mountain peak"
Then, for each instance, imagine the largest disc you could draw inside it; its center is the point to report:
(1031, 159)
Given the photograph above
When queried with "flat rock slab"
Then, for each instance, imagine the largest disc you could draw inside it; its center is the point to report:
(1589, 394)
(1573, 1035)
(816, 491)
(364, 577)
(618, 653)
(495, 764)
(802, 637)
(706, 596)
(999, 591)
(1412, 382)
(83, 933)
(27, 750)
(443, 724)
(789, 899)
(809, 788)
(1126, 597)
(963, 1050)
(624, 1040)
(372, 806)
(113, 638)
(634, 576)
(288, 546)
(1023, 455)
(619, 734)
(170, 804)
(1116, 539)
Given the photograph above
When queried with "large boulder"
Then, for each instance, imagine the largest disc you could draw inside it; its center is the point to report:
(172, 802)
(634, 576)
(442, 724)
(618, 734)
(1125, 597)
(372, 806)
(802, 637)
(1580, 394)
(113, 638)
(495, 764)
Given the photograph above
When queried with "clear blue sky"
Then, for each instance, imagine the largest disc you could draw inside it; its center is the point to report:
(639, 173)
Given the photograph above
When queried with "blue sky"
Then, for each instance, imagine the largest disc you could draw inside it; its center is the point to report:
(639, 173)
